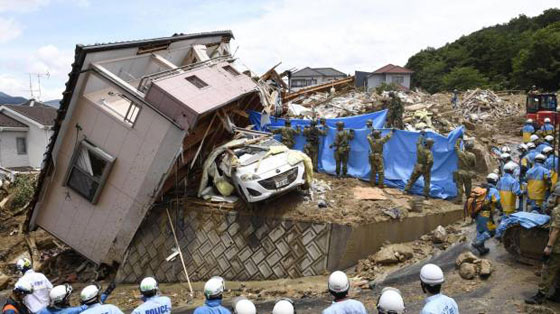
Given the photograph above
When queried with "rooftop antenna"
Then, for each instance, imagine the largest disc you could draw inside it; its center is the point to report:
(35, 93)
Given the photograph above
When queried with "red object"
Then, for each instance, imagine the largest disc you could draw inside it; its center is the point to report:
(542, 106)
(390, 68)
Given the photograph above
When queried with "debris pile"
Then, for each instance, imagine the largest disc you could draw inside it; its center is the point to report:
(482, 104)
(471, 266)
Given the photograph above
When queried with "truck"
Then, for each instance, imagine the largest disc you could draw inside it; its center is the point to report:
(541, 106)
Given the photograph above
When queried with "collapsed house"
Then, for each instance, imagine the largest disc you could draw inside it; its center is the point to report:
(134, 119)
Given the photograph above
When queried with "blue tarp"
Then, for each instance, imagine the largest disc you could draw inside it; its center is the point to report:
(399, 153)
(525, 219)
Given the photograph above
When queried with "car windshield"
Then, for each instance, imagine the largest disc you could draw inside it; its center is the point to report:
(253, 153)
(548, 102)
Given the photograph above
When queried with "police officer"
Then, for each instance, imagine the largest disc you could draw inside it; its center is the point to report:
(339, 285)
(14, 303)
(465, 169)
(390, 302)
(551, 266)
(91, 298)
(548, 142)
(485, 226)
(395, 112)
(424, 163)
(538, 183)
(342, 148)
(547, 128)
(528, 130)
(284, 306)
(431, 280)
(509, 189)
(376, 143)
(288, 134)
(551, 164)
(153, 303)
(39, 299)
(213, 291)
(312, 135)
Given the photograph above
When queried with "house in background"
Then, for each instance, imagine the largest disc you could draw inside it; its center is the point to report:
(387, 74)
(313, 76)
(25, 131)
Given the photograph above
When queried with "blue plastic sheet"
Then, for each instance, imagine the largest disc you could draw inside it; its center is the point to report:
(399, 153)
(525, 219)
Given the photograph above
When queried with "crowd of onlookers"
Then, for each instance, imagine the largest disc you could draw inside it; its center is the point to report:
(34, 293)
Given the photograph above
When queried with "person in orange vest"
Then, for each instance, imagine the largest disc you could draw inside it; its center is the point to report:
(14, 303)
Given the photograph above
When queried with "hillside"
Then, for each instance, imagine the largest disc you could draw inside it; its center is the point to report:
(7, 99)
(515, 55)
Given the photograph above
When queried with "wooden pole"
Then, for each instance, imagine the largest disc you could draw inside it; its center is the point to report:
(180, 252)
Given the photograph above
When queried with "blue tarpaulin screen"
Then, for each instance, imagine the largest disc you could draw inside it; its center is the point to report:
(399, 154)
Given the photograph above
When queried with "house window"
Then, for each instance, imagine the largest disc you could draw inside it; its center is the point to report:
(21, 144)
(231, 70)
(399, 79)
(89, 170)
(193, 79)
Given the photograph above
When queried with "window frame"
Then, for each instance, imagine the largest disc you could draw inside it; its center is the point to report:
(24, 145)
(231, 70)
(101, 182)
(198, 80)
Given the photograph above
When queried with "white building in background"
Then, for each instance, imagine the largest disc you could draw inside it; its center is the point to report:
(314, 76)
(387, 74)
(25, 131)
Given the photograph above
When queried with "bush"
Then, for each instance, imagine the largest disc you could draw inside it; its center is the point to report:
(464, 78)
(387, 87)
(22, 190)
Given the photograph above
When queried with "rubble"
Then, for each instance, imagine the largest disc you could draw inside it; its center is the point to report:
(482, 104)
(471, 266)
(468, 271)
(439, 235)
(394, 253)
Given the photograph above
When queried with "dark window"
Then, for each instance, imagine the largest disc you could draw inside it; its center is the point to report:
(89, 170)
(196, 81)
(21, 144)
(231, 70)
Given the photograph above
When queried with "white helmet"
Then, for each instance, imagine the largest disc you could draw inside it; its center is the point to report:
(23, 287)
(338, 282)
(523, 147)
(244, 306)
(390, 302)
(506, 149)
(534, 137)
(531, 145)
(510, 167)
(60, 293)
(547, 150)
(540, 158)
(491, 178)
(89, 294)
(529, 121)
(505, 156)
(149, 286)
(284, 306)
(23, 264)
(214, 287)
(549, 138)
(431, 274)
(546, 120)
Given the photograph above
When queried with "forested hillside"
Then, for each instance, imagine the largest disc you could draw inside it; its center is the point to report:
(514, 55)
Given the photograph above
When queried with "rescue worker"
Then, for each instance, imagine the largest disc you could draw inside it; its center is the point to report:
(14, 303)
(312, 135)
(153, 303)
(531, 154)
(548, 142)
(509, 189)
(431, 280)
(390, 302)
(369, 124)
(551, 256)
(60, 300)
(547, 128)
(342, 148)
(466, 163)
(551, 164)
(376, 143)
(91, 298)
(528, 130)
(284, 306)
(534, 90)
(288, 134)
(213, 292)
(485, 226)
(535, 139)
(395, 112)
(39, 299)
(243, 306)
(538, 183)
(342, 304)
(455, 99)
(505, 149)
(424, 163)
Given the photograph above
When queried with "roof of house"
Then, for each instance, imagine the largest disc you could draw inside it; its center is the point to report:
(6, 121)
(307, 71)
(36, 111)
(391, 68)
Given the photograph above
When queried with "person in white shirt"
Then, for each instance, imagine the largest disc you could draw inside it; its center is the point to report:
(431, 279)
(39, 299)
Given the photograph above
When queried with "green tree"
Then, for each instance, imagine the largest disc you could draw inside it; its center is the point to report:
(464, 78)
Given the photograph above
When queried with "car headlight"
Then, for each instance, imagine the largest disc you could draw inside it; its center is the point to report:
(249, 177)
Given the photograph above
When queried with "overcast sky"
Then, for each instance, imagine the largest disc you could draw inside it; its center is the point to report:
(37, 36)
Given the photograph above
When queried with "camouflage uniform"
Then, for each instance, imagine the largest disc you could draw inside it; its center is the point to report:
(288, 134)
(312, 135)
(396, 112)
(369, 124)
(342, 148)
(465, 168)
(423, 167)
(551, 268)
(376, 143)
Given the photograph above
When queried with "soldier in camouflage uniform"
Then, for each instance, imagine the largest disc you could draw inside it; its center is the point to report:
(312, 135)
(395, 112)
(369, 124)
(376, 143)
(424, 163)
(465, 170)
(288, 134)
(342, 148)
(550, 274)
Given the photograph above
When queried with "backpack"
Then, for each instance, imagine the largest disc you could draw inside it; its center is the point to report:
(475, 201)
